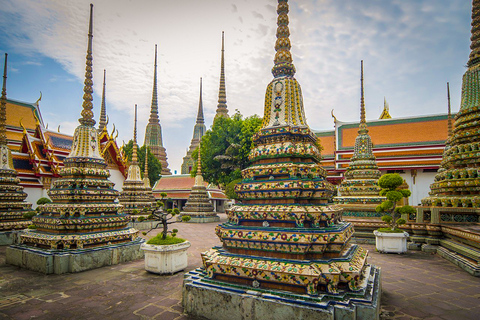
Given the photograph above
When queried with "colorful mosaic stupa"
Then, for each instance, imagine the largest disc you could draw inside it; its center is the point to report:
(153, 133)
(458, 184)
(135, 196)
(12, 196)
(198, 205)
(198, 132)
(83, 213)
(359, 191)
(222, 110)
(286, 243)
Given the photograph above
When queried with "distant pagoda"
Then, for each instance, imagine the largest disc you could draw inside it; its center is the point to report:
(198, 205)
(135, 196)
(285, 244)
(198, 132)
(457, 182)
(83, 213)
(153, 133)
(12, 196)
(222, 110)
(359, 191)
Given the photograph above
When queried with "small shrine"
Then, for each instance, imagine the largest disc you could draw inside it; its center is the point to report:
(135, 196)
(12, 196)
(359, 191)
(286, 250)
(153, 132)
(198, 205)
(82, 228)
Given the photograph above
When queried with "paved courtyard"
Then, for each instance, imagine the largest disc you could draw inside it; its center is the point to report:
(415, 286)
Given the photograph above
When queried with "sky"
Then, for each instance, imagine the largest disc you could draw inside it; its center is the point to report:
(410, 48)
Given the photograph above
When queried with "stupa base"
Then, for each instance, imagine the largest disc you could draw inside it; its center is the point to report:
(71, 261)
(216, 300)
(10, 237)
(200, 218)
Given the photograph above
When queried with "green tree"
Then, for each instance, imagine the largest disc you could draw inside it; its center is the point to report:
(154, 165)
(389, 183)
(225, 148)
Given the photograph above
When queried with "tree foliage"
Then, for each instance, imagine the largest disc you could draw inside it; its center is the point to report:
(225, 148)
(154, 165)
(389, 183)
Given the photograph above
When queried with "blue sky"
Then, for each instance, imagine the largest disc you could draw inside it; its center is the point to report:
(410, 48)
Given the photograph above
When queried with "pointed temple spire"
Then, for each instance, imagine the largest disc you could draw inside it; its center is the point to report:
(87, 113)
(385, 113)
(449, 111)
(3, 107)
(153, 132)
(363, 123)
(146, 180)
(102, 124)
(475, 38)
(200, 118)
(283, 58)
(222, 110)
(199, 177)
(134, 152)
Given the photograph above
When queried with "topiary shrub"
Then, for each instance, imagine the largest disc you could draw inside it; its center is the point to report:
(43, 200)
(141, 218)
(29, 215)
(389, 183)
(230, 189)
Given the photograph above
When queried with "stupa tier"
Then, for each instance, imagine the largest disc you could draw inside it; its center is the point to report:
(198, 205)
(83, 212)
(286, 235)
(359, 191)
(153, 132)
(12, 196)
(457, 184)
(135, 196)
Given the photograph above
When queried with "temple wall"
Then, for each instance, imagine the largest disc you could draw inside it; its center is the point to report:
(117, 177)
(33, 194)
(421, 187)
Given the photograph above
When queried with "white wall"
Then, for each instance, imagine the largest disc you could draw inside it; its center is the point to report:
(421, 187)
(117, 177)
(33, 194)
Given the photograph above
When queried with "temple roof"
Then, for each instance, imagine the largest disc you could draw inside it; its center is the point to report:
(179, 187)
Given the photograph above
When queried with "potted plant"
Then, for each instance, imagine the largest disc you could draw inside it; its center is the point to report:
(392, 239)
(165, 253)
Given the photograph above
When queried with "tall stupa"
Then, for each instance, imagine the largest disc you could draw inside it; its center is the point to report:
(359, 191)
(12, 196)
(286, 250)
(198, 132)
(135, 196)
(153, 133)
(81, 229)
(222, 110)
(457, 185)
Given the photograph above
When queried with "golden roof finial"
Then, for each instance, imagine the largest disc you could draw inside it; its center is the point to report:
(87, 113)
(333, 116)
(39, 99)
(363, 122)
(283, 58)
(449, 112)
(58, 129)
(475, 31)
(385, 113)
(3, 106)
(134, 152)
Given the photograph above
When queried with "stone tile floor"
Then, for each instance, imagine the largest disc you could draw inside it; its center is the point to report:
(416, 285)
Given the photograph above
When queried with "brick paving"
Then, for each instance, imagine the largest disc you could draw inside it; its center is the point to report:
(416, 285)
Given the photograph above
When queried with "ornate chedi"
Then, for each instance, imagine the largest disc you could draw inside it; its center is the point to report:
(222, 110)
(83, 213)
(135, 196)
(12, 196)
(153, 133)
(198, 132)
(458, 184)
(359, 191)
(285, 246)
(198, 205)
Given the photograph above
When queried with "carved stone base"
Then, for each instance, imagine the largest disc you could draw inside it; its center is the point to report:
(10, 237)
(70, 261)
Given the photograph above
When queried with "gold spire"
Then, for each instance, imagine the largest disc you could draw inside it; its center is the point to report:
(385, 113)
(449, 112)
(199, 162)
(154, 106)
(283, 58)
(363, 123)
(222, 92)
(134, 152)
(102, 124)
(145, 174)
(3, 107)
(87, 113)
(475, 31)
(200, 118)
